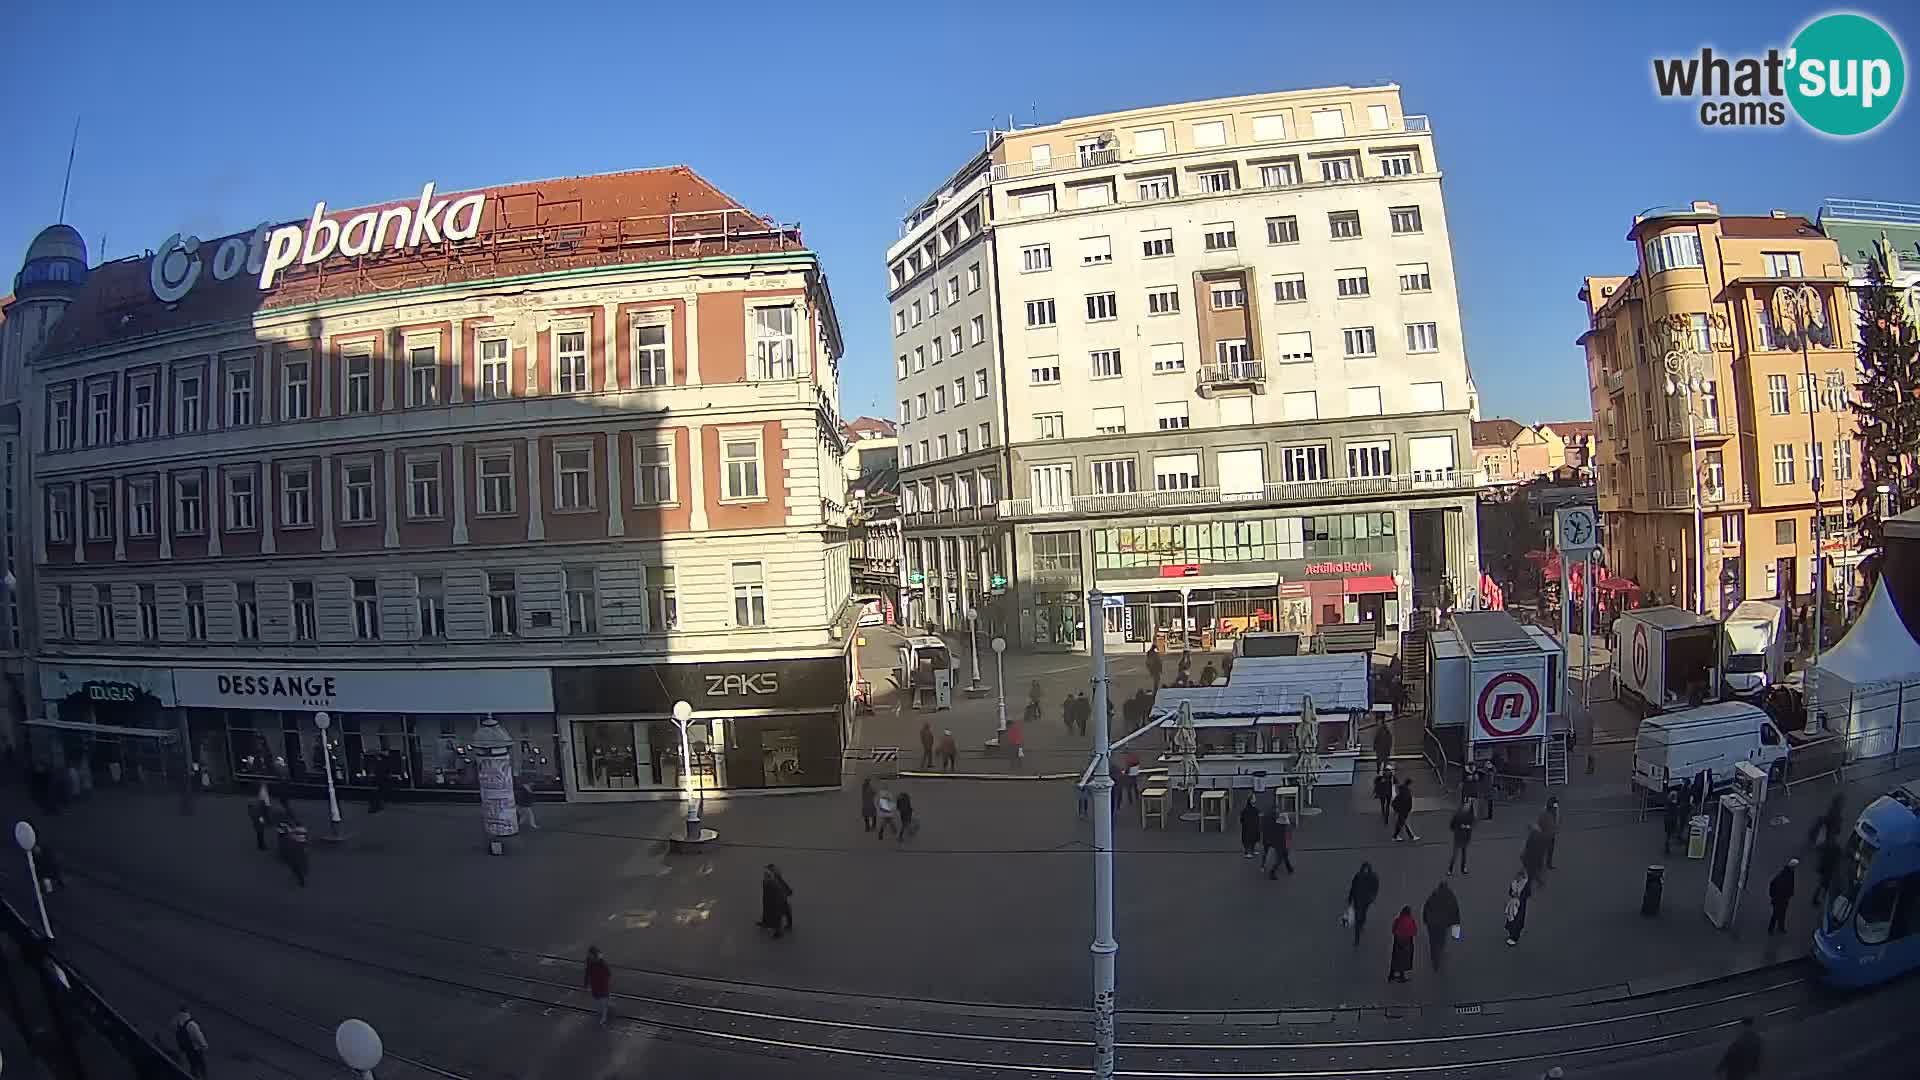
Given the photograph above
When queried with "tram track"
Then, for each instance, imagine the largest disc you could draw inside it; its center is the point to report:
(1050, 1042)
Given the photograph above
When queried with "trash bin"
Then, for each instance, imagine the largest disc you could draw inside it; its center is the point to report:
(1697, 836)
(1656, 884)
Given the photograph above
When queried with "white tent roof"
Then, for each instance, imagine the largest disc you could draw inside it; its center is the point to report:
(1876, 649)
(1271, 686)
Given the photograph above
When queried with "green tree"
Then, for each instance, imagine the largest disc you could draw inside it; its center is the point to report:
(1886, 403)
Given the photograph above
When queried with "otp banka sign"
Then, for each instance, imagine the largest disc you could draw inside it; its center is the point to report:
(178, 264)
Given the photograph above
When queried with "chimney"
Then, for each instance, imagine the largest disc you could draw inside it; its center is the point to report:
(1701, 206)
(1778, 213)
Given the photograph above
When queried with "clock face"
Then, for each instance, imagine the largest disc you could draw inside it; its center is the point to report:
(1577, 530)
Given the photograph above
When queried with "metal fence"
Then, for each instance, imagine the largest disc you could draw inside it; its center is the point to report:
(1873, 730)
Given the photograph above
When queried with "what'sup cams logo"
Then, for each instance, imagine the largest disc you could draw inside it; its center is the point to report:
(1843, 75)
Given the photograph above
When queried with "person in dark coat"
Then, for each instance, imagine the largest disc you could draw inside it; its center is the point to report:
(1404, 932)
(1828, 825)
(869, 814)
(1273, 844)
(1742, 1059)
(1154, 665)
(1208, 675)
(904, 807)
(1069, 711)
(776, 901)
(1441, 913)
(1249, 828)
(257, 815)
(1083, 712)
(1383, 793)
(1462, 828)
(1533, 853)
(1402, 807)
(1780, 894)
(1361, 894)
(1675, 821)
(1382, 748)
(1549, 824)
(926, 744)
(378, 767)
(1519, 891)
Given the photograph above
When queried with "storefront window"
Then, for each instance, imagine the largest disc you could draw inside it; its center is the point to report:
(784, 751)
(536, 749)
(604, 755)
(378, 746)
(446, 749)
(255, 740)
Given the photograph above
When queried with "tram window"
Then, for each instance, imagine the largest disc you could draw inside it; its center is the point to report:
(1873, 919)
(1906, 912)
(1768, 736)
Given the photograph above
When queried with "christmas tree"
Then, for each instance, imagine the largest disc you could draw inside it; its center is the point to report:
(1886, 403)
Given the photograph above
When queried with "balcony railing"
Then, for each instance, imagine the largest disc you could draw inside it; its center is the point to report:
(1112, 154)
(1675, 427)
(1616, 381)
(1709, 496)
(1347, 487)
(965, 515)
(1235, 373)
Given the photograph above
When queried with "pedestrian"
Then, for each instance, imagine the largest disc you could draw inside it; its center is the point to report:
(1470, 785)
(598, 979)
(1208, 675)
(1550, 826)
(1131, 763)
(1383, 793)
(1017, 746)
(1186, 663)
(1083, 712)
(1153, 665)
(1273, 843)
(1083, 801)
(191, 1041)
(1826, 864)
(1826, 827)
(1226, 667)
(1360, 896)
(887, 812)
(869, 815)
(1249, 828)
(1404, 931)
(378, 800)
(949, 751)
(904, 807)
(523, 803)
(1742, 1059)
(1402, 807)
(926, 744)
(1519, 891)
(1675, 824)
(776, 901)
(1780, 894)
(1382, 748)
(295, 840)
(1533, 853)
(1462, 828)
(257, 815)
(1068, 708)
(1441, 914)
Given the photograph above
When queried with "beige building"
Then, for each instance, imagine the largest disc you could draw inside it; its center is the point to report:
(1219, 370)
(1703, 292)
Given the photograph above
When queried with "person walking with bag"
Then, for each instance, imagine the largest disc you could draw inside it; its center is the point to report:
(1519, 891)
(1249, 828)
(869, 813)
(1462, 828)
(1441, 914)
(1404, 932)
(598, 979)
(191, 1041)
(1383, 793)
(1273, 842)
(1402, 808)
(1360, 896)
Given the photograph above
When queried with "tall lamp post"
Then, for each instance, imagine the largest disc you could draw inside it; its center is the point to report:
(24, 835)
(322, 721)
(974, 689)
(359, 1047)
(1685, 376)
(1104, 946)
(1000, 680)
(1810, 317)
(682, 719)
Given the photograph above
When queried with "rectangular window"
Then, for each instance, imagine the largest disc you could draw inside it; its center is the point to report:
(99, 511)
(1343, 224)
(1290, 288)
(242, 512)
(583, 609)
(940, 398)
(1279, 174)
(366, 609)
(663, 602)
(239, 397)
(1283, 230)
(1414, 277)
(1398, 165)
(960, 441)
(1300, 464)
(959, 392)
(100, 416)
(1295, 347)
(980, 383)
(139, 508)
(432, 592)
(1163, 300)
(196, 613)
(59, 515)
(1156, 243)
(103, 616)
(305, 627)
(503, 604)
(1102, 306)
(953, 289)
(60, 422)
(1213, 180)
(1733, 529)
(1299, 405)
(1114, 477)
(1040, 313)
(573, 479)
(1783, 463)
(495, 370)
(1358, 341)
(358, 480)
(916, 313)
(652, 357)
(149, 614)
(954, 344)
(1230, 297)
(189, 510)
(496, 483)
(1170, 415)
(939, 348)
(1049, 425)
(1046, 371)
(1218, 236)
(570, 362)
(296, 496)
(1816, 462)
(1777, 395)
(973, 278)
(1350, 283)
(933, 301)
(986, 435)
(1370, 459)
(1056, 551)
(1428, 396)
(1105, 363)
(64, 600)
(359, 383)
(1149, 141)
(142, 411)
(977, 329)
(423, 488)
(1338, 170)
(1363, 401)
(423, 376)
(1168, 356)
(919, 358)
(1809, 400)
(920, 406)
(1404, 219)
(1783, 531)
(1423, 337)
(1232, 354)
(187, 412)
(1036, 258)
(1714, 474)
(653, 474)
(1086, 196)
(749, 594)
(1155, 188)
(1035, 202)
(1842, 459)
(899, 323)
(1110, 420)
(296, 389)
(1210, 133)
(1783, 263)
(742, 457)
(1176, 472)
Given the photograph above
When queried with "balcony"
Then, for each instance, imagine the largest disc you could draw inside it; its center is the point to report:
(1674, 428)
(1301, 491)
(964, 515)
(1616, 381)
(1709, 497)
(1236, 375)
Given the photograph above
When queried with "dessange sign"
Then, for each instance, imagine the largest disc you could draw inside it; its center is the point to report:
(506, 690)
(178, 264)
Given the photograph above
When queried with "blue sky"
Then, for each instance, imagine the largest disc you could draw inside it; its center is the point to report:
(211, 117)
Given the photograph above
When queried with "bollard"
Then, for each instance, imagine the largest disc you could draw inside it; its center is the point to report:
(1656, 884)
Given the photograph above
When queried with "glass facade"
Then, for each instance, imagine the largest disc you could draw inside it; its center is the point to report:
(800, 750)
(1246, 541)
(432, 752)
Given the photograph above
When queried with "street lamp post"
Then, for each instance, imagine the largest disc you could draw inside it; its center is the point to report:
(1000, 679)
(1807, 308)
(1684, 376)
(359, 1047)
(1104, 946)
(323, 722)
(682, 718)
(973, 643)
(24, 835)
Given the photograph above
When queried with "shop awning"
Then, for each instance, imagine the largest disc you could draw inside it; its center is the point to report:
(106, 729)
(1173, 585)
(1373, 583)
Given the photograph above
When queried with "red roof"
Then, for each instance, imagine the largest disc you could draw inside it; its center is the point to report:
(870, 424)
(544, 225)
(1756, 227)
(1499, 431)
(1570, 429)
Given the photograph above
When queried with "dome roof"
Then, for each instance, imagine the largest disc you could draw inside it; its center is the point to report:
(58, 241)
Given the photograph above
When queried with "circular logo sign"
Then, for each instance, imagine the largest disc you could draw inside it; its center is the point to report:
(1846, 74)
(1508, 705)
(1640, 655)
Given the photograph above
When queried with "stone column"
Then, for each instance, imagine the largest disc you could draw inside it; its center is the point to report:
(120, 518)
(458, 493)
(616, 494)
(536, 506)
(392, 538)
(325, 483)
(263, 498)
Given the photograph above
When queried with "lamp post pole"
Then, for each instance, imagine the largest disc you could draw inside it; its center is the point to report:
(973, 644)
(24, 835)
(682, 718)
(1000, 682)
(322, 721)
(359, 1047)
(1104, 946)
(1804, 302)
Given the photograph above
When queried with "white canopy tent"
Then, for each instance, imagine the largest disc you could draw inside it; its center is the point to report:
(1268, 689)
(1868, 686)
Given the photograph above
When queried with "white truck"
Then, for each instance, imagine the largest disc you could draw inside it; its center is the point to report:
(1671, 749)
(1753, 643)
(1666, 657)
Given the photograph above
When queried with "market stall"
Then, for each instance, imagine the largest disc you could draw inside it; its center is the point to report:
(1247, 731)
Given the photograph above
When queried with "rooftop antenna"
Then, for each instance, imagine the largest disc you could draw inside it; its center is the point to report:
(1034, 111)
(72, 145)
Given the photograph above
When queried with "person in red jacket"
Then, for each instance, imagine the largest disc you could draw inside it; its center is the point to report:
(1404, 931)
(599, 981)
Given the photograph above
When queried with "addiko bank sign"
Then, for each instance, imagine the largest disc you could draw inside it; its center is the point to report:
(180, 261)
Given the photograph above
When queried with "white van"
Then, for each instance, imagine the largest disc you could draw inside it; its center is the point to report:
(1673, 747)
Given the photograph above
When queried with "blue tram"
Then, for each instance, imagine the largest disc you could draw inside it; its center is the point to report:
(1870, 929)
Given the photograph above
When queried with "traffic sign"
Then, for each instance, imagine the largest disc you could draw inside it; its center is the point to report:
(916, 578)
